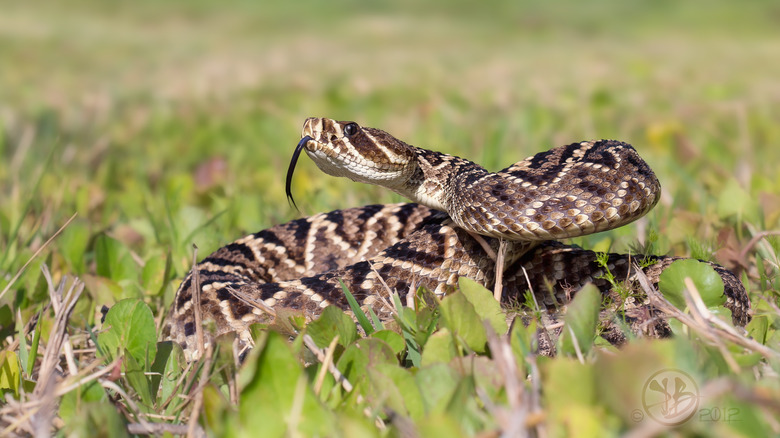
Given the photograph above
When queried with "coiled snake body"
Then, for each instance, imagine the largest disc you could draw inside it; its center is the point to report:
(568, 191)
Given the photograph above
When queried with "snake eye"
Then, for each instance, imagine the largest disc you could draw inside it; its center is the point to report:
(351, 129)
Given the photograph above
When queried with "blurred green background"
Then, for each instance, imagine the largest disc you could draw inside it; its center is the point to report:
(166, 123)
(160, 125)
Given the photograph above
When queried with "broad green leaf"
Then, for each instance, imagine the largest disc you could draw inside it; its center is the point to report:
(74, 402)
(394, 387)
(154, 273)
(425, 321)
(735, 201)
(484, 304)
(7, 321)
(10, 373)
(363, 354)
(620, 378)
(707, 281)
(113, 260)
(463, 406)
(461, 318)
(332, 322)
(170, 364)
(130, 327)
(738, 417)
(440, 348)
(96, 419)
(758, 327)
(522, 338)
(73, 244)
(277, 400)
(216, 410)
(569, 383)
(441, 425)
(438, 383)
(393, 340)
(135, 373)
(581, 319)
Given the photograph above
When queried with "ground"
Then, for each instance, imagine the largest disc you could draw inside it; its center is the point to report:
(131, 131)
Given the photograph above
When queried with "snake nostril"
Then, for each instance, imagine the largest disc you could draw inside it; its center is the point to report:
(333, 138)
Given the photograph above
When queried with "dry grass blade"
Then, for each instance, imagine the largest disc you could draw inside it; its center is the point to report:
(499, 284)
(513, 421)
(63, 303)
(753, 242)
(161, 428)
(322, 357)
(193, 428)
(710, 328)
(196, 303)
(252, 301)
(35, 254)
(326, 363)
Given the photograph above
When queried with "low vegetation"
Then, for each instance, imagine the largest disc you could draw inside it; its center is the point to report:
(131, 131)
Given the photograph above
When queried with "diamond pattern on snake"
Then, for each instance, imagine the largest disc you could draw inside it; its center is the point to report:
(459, 214)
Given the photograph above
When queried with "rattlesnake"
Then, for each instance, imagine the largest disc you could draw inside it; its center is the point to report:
(568, 191)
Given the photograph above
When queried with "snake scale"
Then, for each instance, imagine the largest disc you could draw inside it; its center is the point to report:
(460, 214)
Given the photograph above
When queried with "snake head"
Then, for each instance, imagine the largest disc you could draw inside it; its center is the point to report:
(359, 153)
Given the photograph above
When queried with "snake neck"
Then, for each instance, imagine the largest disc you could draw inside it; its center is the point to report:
(431, 183)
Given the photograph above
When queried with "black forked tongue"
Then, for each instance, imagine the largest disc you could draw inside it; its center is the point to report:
(291, 169)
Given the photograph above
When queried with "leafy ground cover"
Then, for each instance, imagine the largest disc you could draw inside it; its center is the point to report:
(131, 131)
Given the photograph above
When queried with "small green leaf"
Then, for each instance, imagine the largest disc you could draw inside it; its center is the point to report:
(582, 316)
(462, 405)
(437, 383)
(440, 348)
(74, 402)
(735, 201)
(484, 303)
(461, 318)
(392, 386)
(113, 260)
(155, 273)
(757, 328)
(168, 367)
(135, 373)
(10, 373)
(707, 281)
(332, 322)
(130, 327)
(276, 400)
(522, 340)
(73, 244)
(393, 339)
(363, 354)
(7, 321)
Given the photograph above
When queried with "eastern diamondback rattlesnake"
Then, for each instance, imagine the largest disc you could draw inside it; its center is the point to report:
(568, 191)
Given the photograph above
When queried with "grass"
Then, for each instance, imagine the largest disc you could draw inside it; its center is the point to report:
(163, 125)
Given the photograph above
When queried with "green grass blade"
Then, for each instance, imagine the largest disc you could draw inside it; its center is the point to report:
(375, 319)
(359, 314)
(34, 346)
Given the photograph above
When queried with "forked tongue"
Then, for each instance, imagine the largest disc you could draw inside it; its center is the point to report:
(291, 169)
